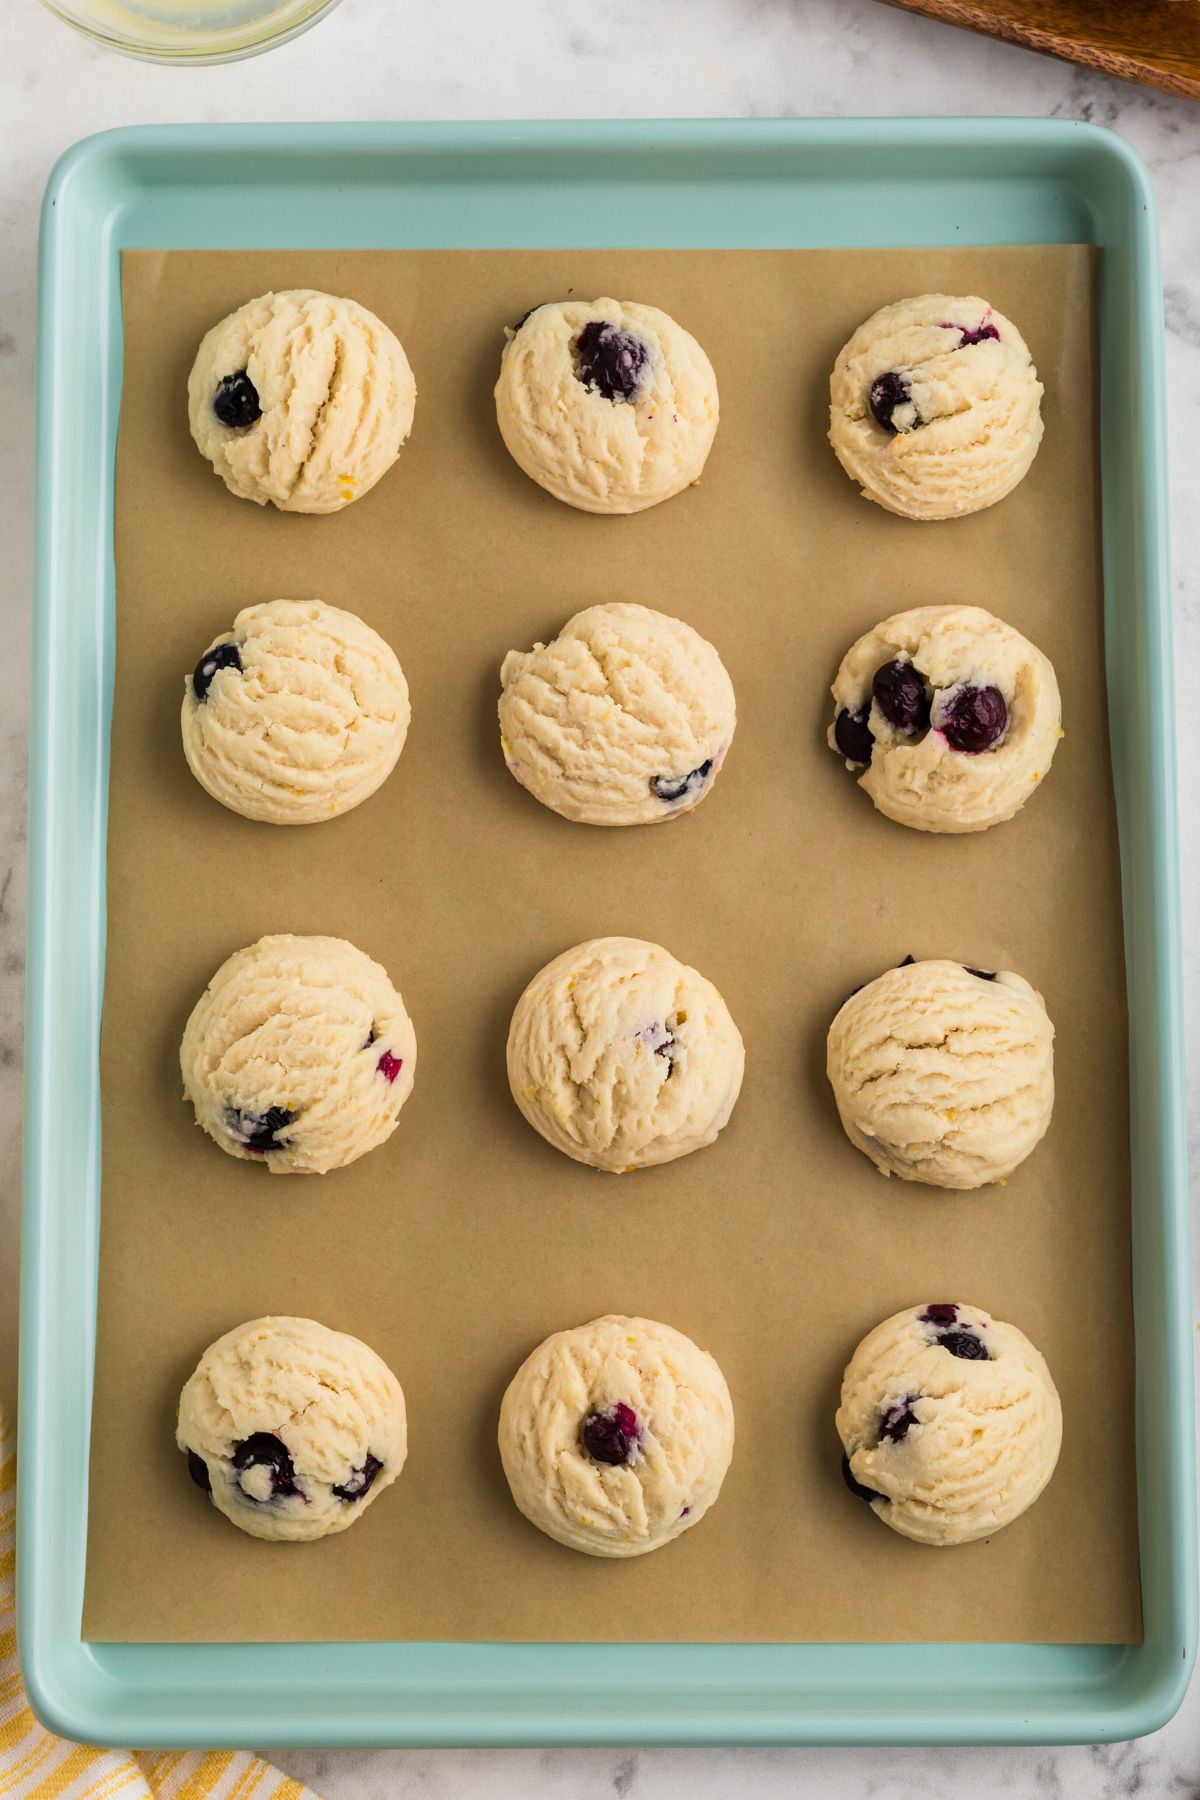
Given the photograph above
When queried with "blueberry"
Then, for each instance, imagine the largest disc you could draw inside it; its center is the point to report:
(971, 718)
(657, 1037)
(852, 735)
(221, 656)
(198, 1470)
(389, 1066)
(263, 1451)
(611, 1437)
(856, 1487)
(908, 962)
(236, 401)
(887, 394)
(963, 1344)
(360, 1480)
(981, 974)
(978, 336)
(610, 360)
(258, 1131)
(899, 693)
(943, 1314)
(681, 787)
(896, 1421)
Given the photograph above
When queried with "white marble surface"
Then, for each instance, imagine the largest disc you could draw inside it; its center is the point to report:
(595, 58)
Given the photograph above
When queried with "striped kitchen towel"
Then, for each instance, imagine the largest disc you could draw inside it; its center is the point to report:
(36, 1765)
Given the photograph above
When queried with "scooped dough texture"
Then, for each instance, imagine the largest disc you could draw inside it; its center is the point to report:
(622, 1057)
(301, 1046)
(978, 404)
(310, 725)
(921, 781)
(336, 392)
(624, 719)
(602, 455)
(943, 1076)
(328, 1400)
(684, 1435)
(982, 1437)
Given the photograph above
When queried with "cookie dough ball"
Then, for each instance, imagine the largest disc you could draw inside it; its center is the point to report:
(955, 716)
(943, 1074)
(950, 1423)
(622, 1057)
(623, 720)
(608, 405)
(296, 715)
(298, 1054)
(301, 399)
(615, 1437)
(934, 407)
(293, 1429)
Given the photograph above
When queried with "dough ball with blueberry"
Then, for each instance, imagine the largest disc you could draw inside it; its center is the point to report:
(935, 406)
(301, 399)
(943, 1074)
(624, 719)
(608, 405)
(622, 1057)
(951, 716)
(299, 1055)
(950, 1423)
(616, 1436)
(292, 1429)
(295, 715)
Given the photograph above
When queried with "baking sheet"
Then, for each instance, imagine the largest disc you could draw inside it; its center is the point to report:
(456, 1247)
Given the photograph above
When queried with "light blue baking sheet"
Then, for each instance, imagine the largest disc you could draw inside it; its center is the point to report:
(748, 184)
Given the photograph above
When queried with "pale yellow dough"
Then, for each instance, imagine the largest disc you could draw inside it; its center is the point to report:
(678, 1454)
(601, 455)
(337, 397)
(921, 780)
(622, 1057)
(941, 1075)
(624, 719)
(305, 1026)
(972, 424)
(955, 1448)
(309, 726)
(328, 1399)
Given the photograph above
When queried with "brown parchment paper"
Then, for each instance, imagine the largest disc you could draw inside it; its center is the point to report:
(460, 1244)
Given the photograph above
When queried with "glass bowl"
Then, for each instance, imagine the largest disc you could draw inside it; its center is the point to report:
(190, 31)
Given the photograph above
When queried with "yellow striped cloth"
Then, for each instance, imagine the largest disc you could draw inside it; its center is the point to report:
(36, 1765)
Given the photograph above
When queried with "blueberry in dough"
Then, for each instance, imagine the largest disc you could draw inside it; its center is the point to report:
(235, 401)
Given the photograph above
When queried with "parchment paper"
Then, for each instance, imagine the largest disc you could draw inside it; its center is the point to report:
(456, 1247)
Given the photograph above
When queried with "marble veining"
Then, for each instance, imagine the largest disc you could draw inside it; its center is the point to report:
(627, 59)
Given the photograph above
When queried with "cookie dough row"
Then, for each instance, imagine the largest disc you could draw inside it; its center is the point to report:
(305, 400)
(300, 1055)
(300, 712)
(616, 1436)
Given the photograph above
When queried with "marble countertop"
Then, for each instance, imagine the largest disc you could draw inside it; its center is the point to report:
(625, 59)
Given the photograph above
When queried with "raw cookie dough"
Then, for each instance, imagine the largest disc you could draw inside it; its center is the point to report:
(934, 406)
(949, 1422)
(615, 1437)
(608, 405)
(301, 399)
(292, 1428)
(622, 1057)
(943, 1074)
(296, 715)
(298, 1054)
(955, 716)
(624, 719)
